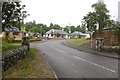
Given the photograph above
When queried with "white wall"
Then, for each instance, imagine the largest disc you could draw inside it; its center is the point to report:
(66, 36)
(87, 35)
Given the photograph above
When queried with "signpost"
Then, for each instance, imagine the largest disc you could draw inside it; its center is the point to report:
(91, 33)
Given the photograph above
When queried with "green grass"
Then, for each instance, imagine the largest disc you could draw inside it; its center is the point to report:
(0, 45)
(7, 46)
(55, 38)
(33, 66)
(31, 40)
(78, 42)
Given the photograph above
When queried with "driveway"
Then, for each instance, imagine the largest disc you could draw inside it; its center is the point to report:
(71, 63)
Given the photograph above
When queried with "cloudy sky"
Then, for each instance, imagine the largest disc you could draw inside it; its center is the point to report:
(64, 12)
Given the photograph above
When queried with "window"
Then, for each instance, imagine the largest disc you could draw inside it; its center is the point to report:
(15, 33)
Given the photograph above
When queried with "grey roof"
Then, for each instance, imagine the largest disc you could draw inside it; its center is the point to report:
(77, 33)
(55, 31)
(12, 29)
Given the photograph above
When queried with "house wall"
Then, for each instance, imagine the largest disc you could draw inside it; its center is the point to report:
(11, 35)
(109, 37)
(50, 36)
(57, 36)
(3, 36)
(66, 36)
(17, 37)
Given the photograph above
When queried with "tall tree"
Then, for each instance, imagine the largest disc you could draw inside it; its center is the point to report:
(99, 17)
(102, 16)
(90, 21)
(11, 13)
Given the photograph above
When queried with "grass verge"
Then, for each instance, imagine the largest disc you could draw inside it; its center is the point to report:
(6, 46)
(33, 66)
(78, 42)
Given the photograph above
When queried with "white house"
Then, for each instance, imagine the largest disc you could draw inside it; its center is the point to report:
(54, 33)
(76, 34)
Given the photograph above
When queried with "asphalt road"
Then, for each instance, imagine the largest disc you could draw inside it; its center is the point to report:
(71, 63)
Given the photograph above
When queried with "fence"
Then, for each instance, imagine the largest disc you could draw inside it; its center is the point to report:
(12, 57)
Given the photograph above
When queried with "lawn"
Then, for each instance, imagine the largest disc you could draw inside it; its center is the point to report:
(78, 42)
(7, 46)
(33, 66)
(0, 45)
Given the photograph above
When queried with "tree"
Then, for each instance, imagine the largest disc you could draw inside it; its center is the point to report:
(66, 29)
(99, 17)
(56, 26)
(51, 26)
(83, 29)
(29, 25)
(102, 17)
(90, 21)
(72, 28)
(35, 29)
(11, 14)
(80, 29)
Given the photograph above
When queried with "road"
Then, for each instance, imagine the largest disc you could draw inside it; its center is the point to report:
(71, 63)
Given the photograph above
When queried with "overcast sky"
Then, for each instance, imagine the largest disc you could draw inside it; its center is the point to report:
(64, 12)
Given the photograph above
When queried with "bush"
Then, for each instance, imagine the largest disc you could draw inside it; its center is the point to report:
(9, 37)
(17, 40)
(31, 37)
(36, 39)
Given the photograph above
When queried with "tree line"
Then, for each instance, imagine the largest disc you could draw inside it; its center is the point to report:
(43, 28)
(13, 14)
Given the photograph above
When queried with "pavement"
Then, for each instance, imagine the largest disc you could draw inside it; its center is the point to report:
(87, 48)
(72, 63)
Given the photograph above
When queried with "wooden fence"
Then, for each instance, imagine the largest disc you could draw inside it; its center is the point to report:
(12, 57)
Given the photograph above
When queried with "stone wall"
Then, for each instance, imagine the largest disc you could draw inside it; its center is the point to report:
(113, 49)
(12, 57)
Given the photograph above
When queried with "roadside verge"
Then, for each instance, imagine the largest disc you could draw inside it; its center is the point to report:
(33, 66)
(88, 50)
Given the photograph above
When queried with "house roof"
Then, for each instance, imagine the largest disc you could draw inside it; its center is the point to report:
(12, 29)
(55, 31)
(77, 33)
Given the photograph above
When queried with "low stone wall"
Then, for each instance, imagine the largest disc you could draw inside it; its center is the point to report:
(12, 57)
(115, 49)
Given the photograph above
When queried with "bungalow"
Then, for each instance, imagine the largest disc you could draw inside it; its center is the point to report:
(37, 35)
(14, 33)
(54, 33)
(77, 35)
